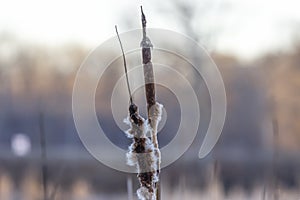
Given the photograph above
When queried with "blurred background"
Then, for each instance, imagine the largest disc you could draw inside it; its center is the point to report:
(256, 46)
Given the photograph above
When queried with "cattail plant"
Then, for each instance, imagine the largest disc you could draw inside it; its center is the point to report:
(154, 109)
(44, 168)
(275, 149)
(144, 152)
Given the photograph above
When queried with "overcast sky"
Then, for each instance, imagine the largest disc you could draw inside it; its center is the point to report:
(246, 28)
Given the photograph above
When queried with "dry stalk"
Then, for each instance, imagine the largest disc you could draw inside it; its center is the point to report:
(275, 149)
(143, 152)
(43, 156)
(154, 109)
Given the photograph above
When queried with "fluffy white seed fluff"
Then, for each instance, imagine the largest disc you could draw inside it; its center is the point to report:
(149, 161)
(144, 194)
(156, 113)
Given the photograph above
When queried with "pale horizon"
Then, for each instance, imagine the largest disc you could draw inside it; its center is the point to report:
(246, 29)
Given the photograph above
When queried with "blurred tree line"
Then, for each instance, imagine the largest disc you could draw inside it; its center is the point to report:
(36, 78)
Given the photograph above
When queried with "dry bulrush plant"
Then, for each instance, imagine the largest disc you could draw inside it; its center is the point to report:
(144, 152)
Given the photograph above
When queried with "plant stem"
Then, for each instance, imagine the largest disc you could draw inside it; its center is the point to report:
(150, 94)
(125, 66)
(43, 156)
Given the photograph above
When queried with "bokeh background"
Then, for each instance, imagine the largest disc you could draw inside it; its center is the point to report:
(256, 46)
